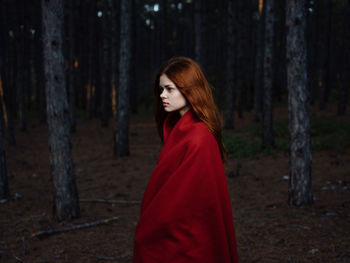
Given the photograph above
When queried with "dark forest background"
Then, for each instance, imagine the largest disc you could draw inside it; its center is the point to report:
(160, 30)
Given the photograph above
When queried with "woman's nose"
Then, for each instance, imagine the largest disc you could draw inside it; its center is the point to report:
(162, 95)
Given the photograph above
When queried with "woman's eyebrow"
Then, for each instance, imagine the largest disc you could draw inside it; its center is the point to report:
(166, 86)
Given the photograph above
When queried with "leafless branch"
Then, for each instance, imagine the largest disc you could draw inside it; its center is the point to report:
(131, 202)
(49, 232)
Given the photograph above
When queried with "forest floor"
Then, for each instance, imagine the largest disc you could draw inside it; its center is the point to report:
(267, 229)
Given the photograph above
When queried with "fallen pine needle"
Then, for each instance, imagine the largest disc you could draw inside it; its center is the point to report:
(49, 232)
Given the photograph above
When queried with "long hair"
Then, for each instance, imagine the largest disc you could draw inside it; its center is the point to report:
(191, 82)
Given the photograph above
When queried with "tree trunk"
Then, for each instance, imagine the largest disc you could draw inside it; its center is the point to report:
(241, 47)
(33, 75)
(325, 80)
(71, 82)
(65, 194)
(7, 50)
(250, 52)
(164, 30)
(104, 57)
(42, 97)
(114, 54)
(279, 60)
(90, 92)
(136, 59)
(4, 187)
(300, 188)
(157, 47)
(9, 101)
(259, 59)
(80, 20)
(21, 66)
(40, 94)
(121, 138)
(344, 85)
(198, 31)
(312, 50)
(267, 138)
(20, 80)
(230, 74)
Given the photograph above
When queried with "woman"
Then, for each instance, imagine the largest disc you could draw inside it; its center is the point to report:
(186, 211)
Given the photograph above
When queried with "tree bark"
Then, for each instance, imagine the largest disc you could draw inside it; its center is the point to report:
(40, 94)
(250, 53)
(90, 88)
(114, 54)
(4, 187)
(268, 138)
(65, 194)
(300, 188)
(104, 57)
(121, 138)
(33, 75)
(9, 101)
(21, 67)
(71, 75)
(344, 85)
(7, 53)
(259, 59)
(135, 58)
(230, 74)
(42, 98)
(312, 50)
(279, 60)
(241, 47)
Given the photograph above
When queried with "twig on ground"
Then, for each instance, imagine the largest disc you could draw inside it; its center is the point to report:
(46, 233)
(132, 202)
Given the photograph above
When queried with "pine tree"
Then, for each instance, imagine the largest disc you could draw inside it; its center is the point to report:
(65, 194)
(121, 138)
(300, 189)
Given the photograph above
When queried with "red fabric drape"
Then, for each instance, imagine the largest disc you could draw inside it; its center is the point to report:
(186, 213)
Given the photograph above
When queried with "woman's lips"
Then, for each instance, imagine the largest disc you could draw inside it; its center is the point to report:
(165, 104)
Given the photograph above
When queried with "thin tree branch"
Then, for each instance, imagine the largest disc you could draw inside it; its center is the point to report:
(49, 232)
(132, 202)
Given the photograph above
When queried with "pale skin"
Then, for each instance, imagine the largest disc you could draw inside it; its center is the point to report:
(172, 98)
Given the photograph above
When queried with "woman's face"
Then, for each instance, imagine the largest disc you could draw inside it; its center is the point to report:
(172, 98)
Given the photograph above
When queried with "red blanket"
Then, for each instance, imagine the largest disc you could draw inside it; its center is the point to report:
(186, 213)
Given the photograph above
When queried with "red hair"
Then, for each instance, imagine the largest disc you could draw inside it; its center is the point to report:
(190, 80)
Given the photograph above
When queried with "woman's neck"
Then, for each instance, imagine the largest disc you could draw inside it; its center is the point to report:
(184, 110)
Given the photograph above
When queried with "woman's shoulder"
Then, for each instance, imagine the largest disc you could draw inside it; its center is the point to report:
(199, 135)
(192, 131)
